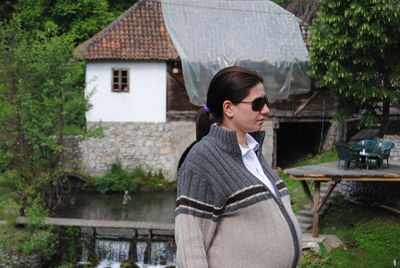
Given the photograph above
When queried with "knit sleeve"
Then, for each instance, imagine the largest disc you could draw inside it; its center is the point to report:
(195, 220)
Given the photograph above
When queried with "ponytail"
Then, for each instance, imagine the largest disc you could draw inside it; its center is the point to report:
(203, 122)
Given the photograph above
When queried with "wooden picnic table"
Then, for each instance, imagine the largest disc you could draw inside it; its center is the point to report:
(329, 172)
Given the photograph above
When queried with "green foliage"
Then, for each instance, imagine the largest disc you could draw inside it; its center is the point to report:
(77, 19)
(6, 156)
(118, 179)
(354, 51)
(73, 231)
(9, 211)
(297, 196)
(370, 236)
(7, 186)
(318, 259)
(41, 100)
(328, 156)
(41, 86)
(69, 249)
(41, 92)
(66, 265)
(157, 182)
(36, 239)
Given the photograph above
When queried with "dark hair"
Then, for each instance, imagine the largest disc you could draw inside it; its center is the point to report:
(231, 83)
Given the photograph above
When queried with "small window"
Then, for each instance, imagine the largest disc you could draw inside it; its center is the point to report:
(120, 80)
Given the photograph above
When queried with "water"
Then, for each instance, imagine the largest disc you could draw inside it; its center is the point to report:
(146, 254)
(112, 250)
(151, 207)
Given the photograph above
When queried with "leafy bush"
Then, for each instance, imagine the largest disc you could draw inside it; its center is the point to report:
(36, 243)
(118, 179)
(114, 180)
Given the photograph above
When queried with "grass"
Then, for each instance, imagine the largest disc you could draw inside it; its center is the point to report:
(371, 236)
(328, 156)
(297, 196)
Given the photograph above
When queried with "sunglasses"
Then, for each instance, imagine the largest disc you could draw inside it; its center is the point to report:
(257, 104)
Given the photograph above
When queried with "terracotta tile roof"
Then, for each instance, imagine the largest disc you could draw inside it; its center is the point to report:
(138, 34)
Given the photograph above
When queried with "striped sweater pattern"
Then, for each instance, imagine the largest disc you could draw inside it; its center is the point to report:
(225, 216)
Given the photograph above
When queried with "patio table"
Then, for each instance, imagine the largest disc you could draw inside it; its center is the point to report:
(367, 158)
(329, 172)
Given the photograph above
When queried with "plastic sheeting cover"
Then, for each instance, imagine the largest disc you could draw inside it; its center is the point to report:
(211, 35)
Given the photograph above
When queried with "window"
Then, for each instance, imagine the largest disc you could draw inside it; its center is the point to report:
(120, 80)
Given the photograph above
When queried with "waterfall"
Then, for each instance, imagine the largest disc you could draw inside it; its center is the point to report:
(149, 254)
(112, 250)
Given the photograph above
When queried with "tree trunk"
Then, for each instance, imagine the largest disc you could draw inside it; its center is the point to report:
(385, 117)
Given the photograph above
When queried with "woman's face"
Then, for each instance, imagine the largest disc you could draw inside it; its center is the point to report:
(244, 119)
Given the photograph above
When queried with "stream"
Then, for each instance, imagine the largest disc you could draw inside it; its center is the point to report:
(109, 251)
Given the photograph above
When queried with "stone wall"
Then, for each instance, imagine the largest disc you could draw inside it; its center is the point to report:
(331, 137)
(384, 192)
(153, 146)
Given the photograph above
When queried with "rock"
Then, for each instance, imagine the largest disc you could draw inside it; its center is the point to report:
(311, 246)
(331, 242)
(85, 265)
(128, 264)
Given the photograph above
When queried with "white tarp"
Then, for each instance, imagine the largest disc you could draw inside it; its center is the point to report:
(211, 35)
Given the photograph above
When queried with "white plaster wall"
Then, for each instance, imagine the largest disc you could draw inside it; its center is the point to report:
(145, 101)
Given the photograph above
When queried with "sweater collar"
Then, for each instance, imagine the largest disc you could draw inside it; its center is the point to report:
(227, 140)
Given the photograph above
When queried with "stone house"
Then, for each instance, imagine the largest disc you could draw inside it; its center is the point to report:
(136, 87)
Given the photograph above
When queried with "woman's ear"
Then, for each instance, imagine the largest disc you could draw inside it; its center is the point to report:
(227, 108)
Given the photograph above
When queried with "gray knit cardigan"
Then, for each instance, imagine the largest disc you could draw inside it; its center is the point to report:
(225, 216)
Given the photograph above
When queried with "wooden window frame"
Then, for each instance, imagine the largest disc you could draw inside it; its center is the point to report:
(119, 78)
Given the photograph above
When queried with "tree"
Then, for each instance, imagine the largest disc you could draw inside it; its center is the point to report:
(80, 19)
(41, 94)
(41, 87)
(355, 51)
(303, 9)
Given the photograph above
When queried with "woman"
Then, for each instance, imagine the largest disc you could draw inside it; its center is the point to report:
(232, 209)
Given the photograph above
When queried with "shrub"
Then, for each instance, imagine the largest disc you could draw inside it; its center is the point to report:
(37, 242)
(118, 179)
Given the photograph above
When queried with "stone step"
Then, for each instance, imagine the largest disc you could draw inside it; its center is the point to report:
(304, 219)
(305, 216)
(305, 212)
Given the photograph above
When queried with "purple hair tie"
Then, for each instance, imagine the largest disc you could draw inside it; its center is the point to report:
(205, 107)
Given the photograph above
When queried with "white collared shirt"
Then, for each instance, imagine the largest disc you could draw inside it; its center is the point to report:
(253, 164)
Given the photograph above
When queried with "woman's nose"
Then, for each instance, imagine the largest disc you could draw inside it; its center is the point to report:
(265, 110)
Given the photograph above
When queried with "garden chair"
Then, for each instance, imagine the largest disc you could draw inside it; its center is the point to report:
(383, 150)
(347, 154)
(368, 150)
